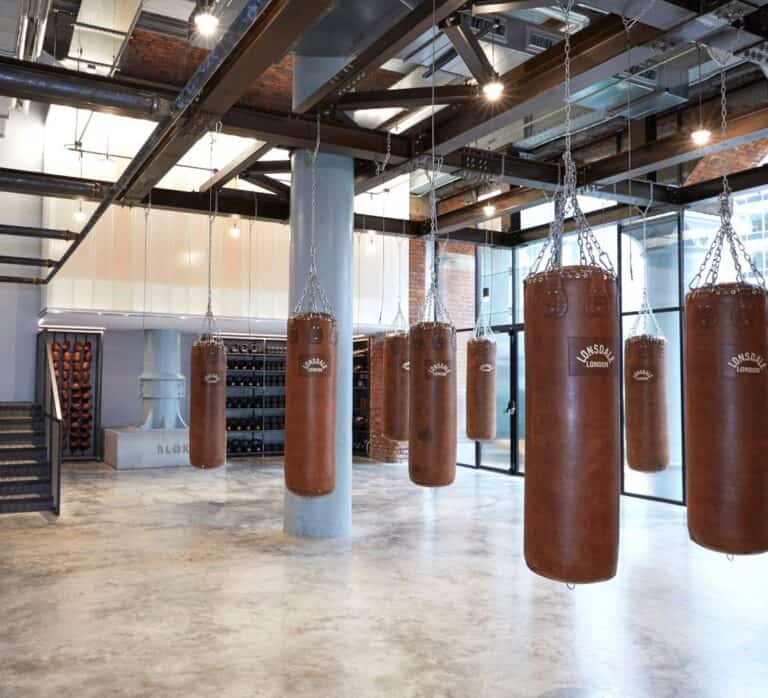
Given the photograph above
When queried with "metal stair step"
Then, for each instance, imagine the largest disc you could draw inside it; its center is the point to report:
(40, 486)
(22, 468)
(17, 506)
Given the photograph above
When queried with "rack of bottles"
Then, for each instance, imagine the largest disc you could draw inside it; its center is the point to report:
(361, 433)
(255, 396)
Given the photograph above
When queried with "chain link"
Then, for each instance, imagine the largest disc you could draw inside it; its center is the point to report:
(313, 297)
(210, 329)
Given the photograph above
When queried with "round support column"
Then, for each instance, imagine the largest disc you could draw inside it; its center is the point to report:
(163, 385)
(329, 516)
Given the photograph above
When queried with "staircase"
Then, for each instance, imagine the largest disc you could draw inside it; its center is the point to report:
(26, 477)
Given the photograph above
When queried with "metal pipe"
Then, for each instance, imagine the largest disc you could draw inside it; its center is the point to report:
(27, 232)
(25, 81)
(41, 184)
(26, 261)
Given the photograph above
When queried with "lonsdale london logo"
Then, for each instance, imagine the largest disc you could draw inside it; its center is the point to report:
(406, 366)
(747, 362)
(642, 374)
(212, 378)
(314, 364)
(439, 369)
(596, 356)
(485, 368)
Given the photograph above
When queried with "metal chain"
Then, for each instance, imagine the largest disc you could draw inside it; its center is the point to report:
(709, 271)
(590, 251)
(210, 330)
(381, 166)
(313, 297)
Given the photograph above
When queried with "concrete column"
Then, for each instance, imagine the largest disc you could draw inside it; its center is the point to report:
(329, 516)
(163, 385)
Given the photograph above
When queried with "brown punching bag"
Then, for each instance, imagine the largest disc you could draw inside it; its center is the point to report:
(572, 424)
(396, 386)
(432, 429)
(481, 389)
(310, 405)
(207, 404)
(645, 403)
(726, 417)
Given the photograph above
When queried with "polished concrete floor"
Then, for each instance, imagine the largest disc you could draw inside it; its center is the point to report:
(173, 582)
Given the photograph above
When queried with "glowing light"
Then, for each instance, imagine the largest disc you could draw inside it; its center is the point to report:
(493, 90)
(234, 231)
(80, 215)
(489, 209)
(701, 136)
(206, 22)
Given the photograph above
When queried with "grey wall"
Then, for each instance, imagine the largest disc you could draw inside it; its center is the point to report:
(21, 148)
(122, 365)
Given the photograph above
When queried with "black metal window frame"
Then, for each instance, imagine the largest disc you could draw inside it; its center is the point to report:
(513, 330)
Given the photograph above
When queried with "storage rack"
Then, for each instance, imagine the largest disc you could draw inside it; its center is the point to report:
(361, 399)
(77, 360)
(255, 396)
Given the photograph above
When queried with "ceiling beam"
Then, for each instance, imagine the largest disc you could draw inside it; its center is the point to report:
(469, 49)
(229, 202)
(378, 52)
(408, 98)
(270, 167)
(40, 233)
(236, 166)
(21, 280)
(677, 149)
(711, 189)
(274, 186)
(506, 202)
(597, 52)
(491, 7)
(58, 186)
(259, 37)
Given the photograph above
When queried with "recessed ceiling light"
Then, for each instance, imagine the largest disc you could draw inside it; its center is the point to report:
(701, 136)
(493, 90)
(205, 21)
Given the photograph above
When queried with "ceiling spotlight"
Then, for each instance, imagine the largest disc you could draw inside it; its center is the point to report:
(489, 210)
(205, 21)
(701, 136)
(493, 90)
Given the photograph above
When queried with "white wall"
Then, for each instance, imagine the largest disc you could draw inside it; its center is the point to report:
(21, 148)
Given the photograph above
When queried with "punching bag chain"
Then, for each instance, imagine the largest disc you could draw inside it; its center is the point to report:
(313, 298)
(709, 271)
(210, 330)
(590, 251)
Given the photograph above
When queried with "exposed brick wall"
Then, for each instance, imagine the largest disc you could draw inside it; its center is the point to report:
(742, 157)
(417, 255)
(383, 450)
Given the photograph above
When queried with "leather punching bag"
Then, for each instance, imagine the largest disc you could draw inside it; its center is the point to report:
(310, 405)
(207, 404)
(396, 386)
(572, 436)
(432, 427)
(726, 430)
(481, 389)
(645, 403)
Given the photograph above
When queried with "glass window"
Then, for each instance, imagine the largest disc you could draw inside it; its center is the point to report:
(465, 452)
(666, 484)
(660, 263)
(496, 453)
(496, 275)
(520, 402)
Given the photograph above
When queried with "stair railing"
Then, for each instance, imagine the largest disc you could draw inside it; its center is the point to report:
(48, 399)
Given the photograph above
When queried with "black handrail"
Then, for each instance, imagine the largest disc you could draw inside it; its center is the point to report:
(48, 399)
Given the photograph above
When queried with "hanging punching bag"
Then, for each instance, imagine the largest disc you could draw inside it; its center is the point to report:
(396, 386)
(572, 424)
(207, 404)
(432, 427)
(310, 405)
(481, 389)
(726, 403)
(645, 403)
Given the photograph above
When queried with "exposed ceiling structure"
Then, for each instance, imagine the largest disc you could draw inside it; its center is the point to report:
(642, 81)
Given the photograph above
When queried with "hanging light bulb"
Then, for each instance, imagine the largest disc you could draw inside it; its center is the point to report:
(234, 231)
(489, 210)
(205, 21)
(701, 136)
(80, 214)
(493, 90)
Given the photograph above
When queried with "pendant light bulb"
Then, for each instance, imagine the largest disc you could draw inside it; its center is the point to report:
(489, 210)
(205, 21)
(493, 90)
(701, 136)
(80, 214)
(234, 231)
